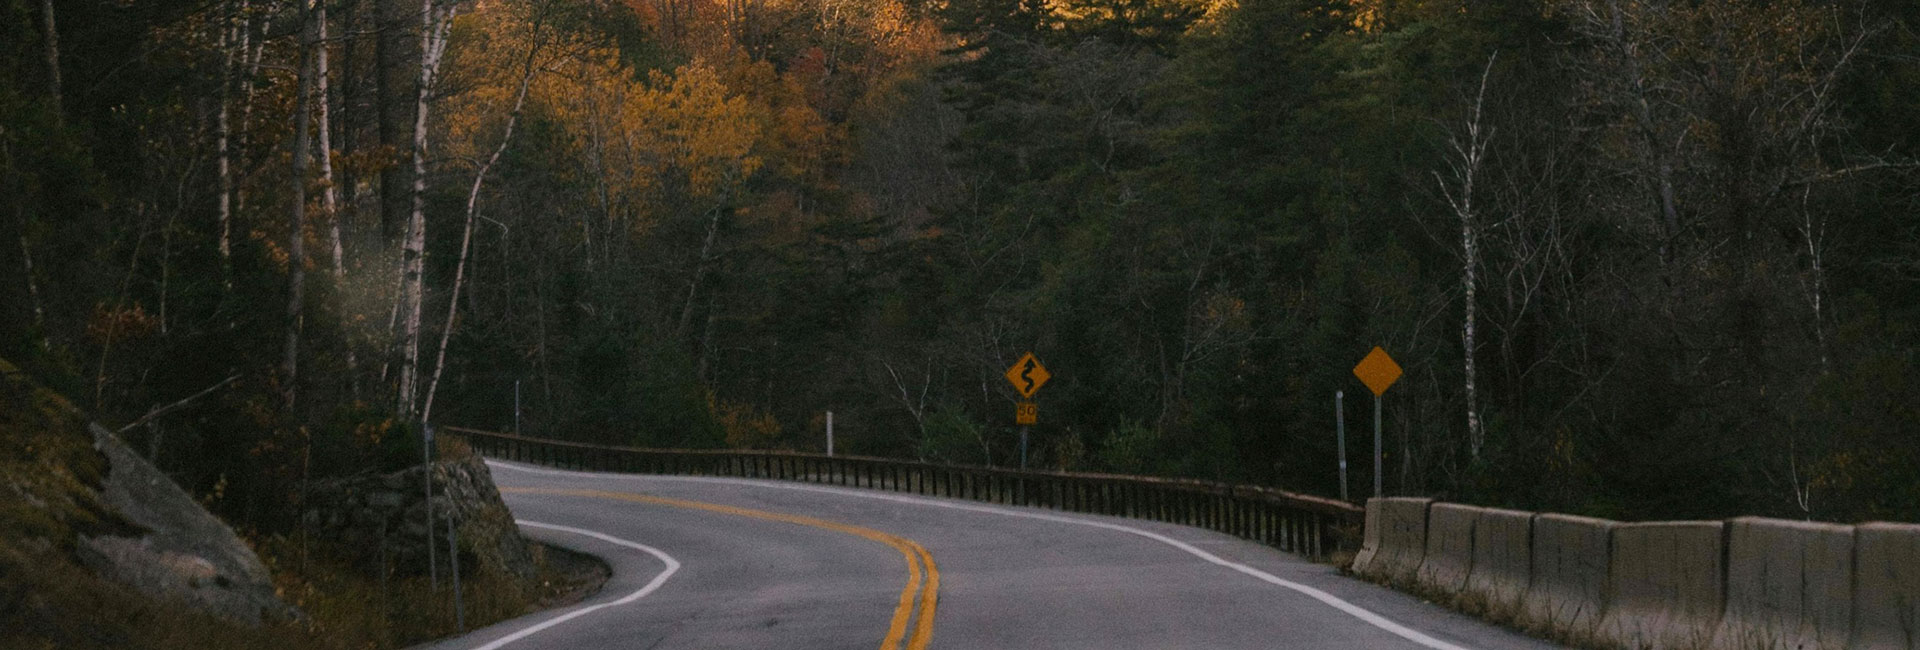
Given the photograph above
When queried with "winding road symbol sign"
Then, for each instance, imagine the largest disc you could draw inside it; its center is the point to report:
(1027, 375)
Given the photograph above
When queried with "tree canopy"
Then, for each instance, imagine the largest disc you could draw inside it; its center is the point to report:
(1651, 259)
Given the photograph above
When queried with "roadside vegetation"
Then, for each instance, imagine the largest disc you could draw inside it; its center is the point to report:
(51, 476)
(1640, 259)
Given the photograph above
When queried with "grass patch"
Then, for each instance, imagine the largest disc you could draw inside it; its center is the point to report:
(355, 608)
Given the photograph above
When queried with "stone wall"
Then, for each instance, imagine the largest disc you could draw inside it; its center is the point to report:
(381, 520)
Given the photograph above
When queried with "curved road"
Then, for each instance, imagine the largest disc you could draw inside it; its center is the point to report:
(736, 563)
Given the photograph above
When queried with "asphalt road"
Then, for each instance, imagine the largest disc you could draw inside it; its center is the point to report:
(734, 563)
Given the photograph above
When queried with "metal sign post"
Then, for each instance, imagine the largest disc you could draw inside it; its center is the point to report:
(1023, 447)
(1377, 371)
(1340, 426)
(516, 407)
(1377, 492)
(1026, 375)
(829, 433)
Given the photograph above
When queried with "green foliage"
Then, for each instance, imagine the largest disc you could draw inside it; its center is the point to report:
(952, 436)
(1198, 214)
(1131, 448)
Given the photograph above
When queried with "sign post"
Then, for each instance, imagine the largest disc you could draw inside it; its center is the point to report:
(1026, 375)
(1377, 371)
(829, 433)
(1340, 428)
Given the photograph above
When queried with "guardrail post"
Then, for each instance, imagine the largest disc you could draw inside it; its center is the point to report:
(1231, 503)
(1212, 511)
(1239, 516)
(1230, 511)
(1288, 535)
(1270, 518)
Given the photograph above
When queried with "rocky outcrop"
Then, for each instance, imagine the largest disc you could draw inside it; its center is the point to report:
(382, 519)
(183, 553)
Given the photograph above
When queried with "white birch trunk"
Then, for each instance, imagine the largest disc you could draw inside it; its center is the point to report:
(297, 215)
(33, 288)
(466, 236)
(252, 47)
(700, 269)
(330, 194)
(224, 153)
(1467, 159)
(330, 191)
(433, 34)
(52, 42)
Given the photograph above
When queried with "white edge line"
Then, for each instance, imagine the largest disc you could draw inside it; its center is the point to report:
(672, 566)
(1356, 611)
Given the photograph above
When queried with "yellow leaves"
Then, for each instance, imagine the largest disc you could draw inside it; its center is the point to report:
(683, 132)
(1368, 16)
(747, 426)
(691, 124)
(795, 136)
(490, 55)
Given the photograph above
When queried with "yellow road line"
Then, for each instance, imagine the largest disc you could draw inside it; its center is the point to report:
(929, 599)
(916, 556)
(897, 629)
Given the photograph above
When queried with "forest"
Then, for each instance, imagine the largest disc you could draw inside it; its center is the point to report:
(1638, 258)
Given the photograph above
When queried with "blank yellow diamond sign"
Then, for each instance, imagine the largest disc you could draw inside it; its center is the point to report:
(1027, 375)
(1377, 371)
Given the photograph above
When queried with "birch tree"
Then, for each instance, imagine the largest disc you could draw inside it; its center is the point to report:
(297, 218)
(52, 47)
(528, 69)
(434, 22)
(1466, 155)
(223, 152)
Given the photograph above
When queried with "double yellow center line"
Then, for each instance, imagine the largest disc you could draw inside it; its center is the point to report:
(919, 561)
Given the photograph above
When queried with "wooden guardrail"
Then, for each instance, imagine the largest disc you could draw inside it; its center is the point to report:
(1295, 523)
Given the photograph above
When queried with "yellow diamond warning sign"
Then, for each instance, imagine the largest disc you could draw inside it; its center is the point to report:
(1377, 371)
(1027, 375)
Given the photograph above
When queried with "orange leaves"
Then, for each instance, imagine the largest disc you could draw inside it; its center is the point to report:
(758, 108)
(493, 43)
(747, 426)
(109, 324)
(687, 133)
(684, 129)
(691, 124)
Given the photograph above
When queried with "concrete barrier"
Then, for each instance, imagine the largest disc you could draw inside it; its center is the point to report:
(1886, 587)
(1401, 539)
(1369, 538)
(1665, 585)
(1789, 585)
(1502, 562)
(1568, 590)
(1449, 555)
